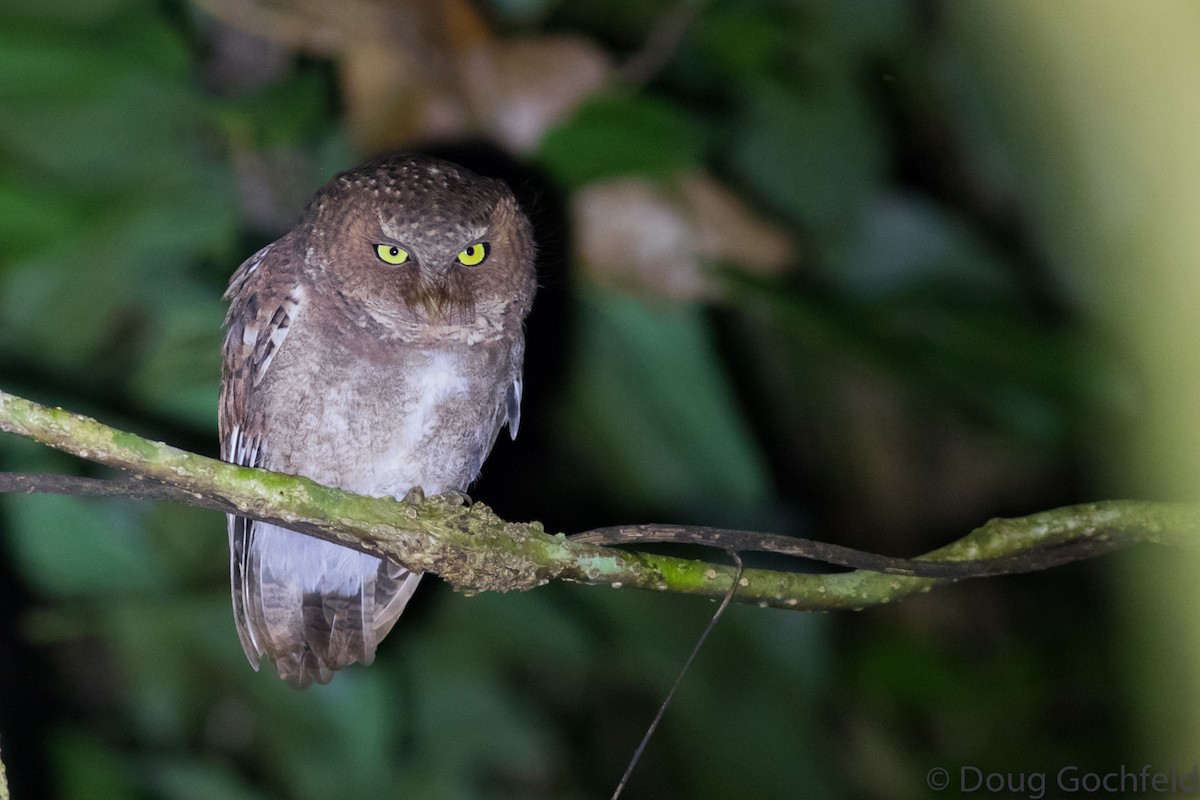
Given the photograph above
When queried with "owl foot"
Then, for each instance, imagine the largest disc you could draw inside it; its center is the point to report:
(456, 498)
(414, 497)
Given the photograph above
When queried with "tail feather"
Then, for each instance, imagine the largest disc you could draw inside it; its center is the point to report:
(301, 668)
(394, 586)
(311, 607)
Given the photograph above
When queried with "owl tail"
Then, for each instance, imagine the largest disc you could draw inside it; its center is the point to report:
(310, 606)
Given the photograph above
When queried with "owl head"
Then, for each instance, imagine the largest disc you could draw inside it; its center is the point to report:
(420, 239)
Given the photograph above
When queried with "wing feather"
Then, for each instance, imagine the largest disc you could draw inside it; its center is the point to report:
(512, 400)
(262, 309)
(290, 599)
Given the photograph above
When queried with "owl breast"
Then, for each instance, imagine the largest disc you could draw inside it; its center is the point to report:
(407, 416)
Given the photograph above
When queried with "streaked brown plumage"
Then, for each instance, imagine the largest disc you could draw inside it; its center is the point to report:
(363, 352)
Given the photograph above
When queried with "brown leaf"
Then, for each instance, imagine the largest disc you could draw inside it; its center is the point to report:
(519, 88)
(420, 70)
(661, 237)
(400, 59)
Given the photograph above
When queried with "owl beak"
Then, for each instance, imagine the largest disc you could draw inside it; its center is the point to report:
(439, 280)
(437, 293)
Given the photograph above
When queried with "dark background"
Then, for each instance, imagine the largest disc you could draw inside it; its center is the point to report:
(795, 277)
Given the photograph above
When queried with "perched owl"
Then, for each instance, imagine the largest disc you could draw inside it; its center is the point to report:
(375, 347)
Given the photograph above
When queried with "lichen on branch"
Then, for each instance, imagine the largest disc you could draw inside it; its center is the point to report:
(474, 550)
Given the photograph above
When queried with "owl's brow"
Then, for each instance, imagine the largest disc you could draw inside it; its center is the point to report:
(383, 238)
(474, 235)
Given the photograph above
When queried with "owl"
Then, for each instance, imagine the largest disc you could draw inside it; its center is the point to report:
(376, 347)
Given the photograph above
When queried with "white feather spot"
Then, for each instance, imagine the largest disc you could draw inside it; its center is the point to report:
(441, 378)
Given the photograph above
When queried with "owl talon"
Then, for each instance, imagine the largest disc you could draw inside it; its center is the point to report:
(456, 498)
(414, 497)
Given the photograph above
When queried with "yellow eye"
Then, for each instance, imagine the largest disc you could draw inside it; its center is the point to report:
(475, 254)
(391, 254)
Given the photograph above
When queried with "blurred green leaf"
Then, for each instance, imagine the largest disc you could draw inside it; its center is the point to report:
(948, 344)
(463, 703)
(68, 546)
(903, 242)
(811, 154)
(190, 542)
(179, 372)
(129, 128)
(65, 15)
(349, 723)
(48, 59)
(159, 645)
(731, 42)
(196, 779)
(650, 409)
(52, 313)
(283, 113)
(30, 217)
(851, 32)
(88, 769)
(508, 627)
(117, 192)
(623, 134)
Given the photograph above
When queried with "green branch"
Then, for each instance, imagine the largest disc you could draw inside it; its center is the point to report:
(474, 550)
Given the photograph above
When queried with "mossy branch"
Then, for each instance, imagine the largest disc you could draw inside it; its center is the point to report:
(474, 550)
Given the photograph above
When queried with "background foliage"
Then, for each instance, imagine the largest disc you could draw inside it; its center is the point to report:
(791, 280)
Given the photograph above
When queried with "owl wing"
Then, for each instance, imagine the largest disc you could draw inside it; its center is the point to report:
(291, 609)
(261, 312)
(511, 410)
(263, 304)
